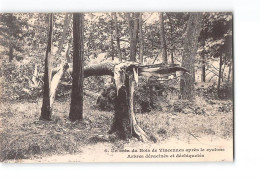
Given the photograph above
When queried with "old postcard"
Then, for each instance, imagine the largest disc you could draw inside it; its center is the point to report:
(116, 87)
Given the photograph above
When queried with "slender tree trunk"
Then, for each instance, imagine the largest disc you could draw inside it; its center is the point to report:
(76, 106)
(189, 55)
(46, 110)
(117, 38)
(163, 42)
(219, 75)
(64, 33)
(223, 72)
(141, 39)
(229, 71)
(112, 40)
(203, 70)
(172, 41)
(11, 53)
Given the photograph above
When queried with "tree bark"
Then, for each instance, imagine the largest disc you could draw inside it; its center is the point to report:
(117, 39)
(76, 106)
(46, 110)
(133, 33)
(219, 75)
(141, 40)
(162, 38)
(203, 70)
(189, 55)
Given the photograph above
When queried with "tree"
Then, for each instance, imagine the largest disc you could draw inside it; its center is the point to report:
(215, 43)
(189, 55)
(141, 39)
(46, 110)
(76, 106)
(12, 34)
(112, 38)
(133, 22)
(162, 38)
(117, 38)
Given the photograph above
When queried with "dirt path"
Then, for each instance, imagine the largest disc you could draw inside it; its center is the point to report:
(171, 150)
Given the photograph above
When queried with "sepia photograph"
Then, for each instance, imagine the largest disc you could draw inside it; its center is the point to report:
(116, 87)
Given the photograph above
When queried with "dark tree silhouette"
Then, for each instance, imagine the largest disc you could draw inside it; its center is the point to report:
(76, 106)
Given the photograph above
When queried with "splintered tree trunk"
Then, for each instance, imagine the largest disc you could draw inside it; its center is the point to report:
(46, 110)
(117, 38)
(125, 124)
(141, 39)
(189, 55)
(163, 42)
(76, 106)
(219, 75)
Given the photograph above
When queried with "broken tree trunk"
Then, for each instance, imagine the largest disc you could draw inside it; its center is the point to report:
(46, 110)
(125, 124)
(53, 77)
(126, 74)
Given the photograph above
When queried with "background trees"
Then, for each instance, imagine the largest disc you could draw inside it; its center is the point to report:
(110, 36)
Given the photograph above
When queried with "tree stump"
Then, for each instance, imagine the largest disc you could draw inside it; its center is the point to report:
(125, 124)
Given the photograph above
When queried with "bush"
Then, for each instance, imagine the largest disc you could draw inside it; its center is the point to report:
(147, 97)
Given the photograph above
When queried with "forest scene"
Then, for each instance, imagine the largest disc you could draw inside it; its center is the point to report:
(76, 84)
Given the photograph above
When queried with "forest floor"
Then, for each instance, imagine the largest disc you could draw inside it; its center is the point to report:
(24, 138)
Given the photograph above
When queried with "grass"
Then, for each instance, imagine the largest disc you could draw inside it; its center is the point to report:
(22, 135)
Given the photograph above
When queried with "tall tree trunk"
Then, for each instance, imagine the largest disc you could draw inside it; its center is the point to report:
(141, 39)
(219, 75)
(112, 40)
(117, 38)
(11, 53)
(172, 42)
(203, 70)
(76, 106)
(189, 55)
(133, 23)
(46, 110)
(163, 42)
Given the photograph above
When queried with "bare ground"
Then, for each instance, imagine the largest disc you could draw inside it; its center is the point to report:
(26, 139)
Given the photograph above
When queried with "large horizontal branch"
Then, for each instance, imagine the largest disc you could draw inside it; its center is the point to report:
(143, 70)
